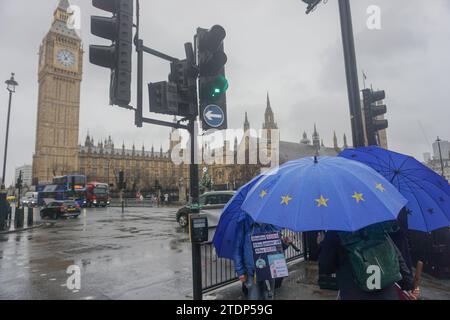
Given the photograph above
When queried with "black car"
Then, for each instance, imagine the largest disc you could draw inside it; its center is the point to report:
(207, 201)
(61, 209)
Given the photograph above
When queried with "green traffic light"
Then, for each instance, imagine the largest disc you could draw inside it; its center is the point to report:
(219, 86)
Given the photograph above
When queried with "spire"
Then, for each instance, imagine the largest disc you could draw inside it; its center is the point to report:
(335, 141)
(305, 139)
(316, 138)
(61, 17)
(64, 4)
(345, 141)
(269, 106)
(61, 13)
(246, 123)
(87, 142)
(269, 118)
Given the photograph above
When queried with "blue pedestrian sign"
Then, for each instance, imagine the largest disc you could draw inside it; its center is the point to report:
(213, 116)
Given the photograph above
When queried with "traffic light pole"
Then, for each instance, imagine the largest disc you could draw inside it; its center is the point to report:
(351, 73)
(194, 193)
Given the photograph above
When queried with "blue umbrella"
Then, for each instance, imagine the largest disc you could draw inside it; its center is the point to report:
(326, 193)
(230, 221)
(428, 193)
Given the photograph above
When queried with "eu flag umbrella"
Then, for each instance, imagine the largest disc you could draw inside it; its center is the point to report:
(230, 221)
(326, 193)
(428, 193)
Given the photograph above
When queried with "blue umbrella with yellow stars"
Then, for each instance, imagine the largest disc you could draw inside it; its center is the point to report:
(325, 193)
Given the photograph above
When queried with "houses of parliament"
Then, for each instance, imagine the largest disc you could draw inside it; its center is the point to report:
(58, 151)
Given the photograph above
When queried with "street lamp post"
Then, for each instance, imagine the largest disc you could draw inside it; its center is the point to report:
(4, 206)
(11, 87)
(440, 156)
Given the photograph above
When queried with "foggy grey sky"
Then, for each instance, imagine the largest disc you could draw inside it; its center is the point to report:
(272, 46)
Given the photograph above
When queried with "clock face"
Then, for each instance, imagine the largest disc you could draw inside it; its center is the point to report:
(66, 58)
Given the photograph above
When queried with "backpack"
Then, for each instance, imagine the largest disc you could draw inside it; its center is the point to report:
(371, 251)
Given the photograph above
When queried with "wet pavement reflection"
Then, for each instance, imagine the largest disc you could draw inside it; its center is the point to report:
(142, 254)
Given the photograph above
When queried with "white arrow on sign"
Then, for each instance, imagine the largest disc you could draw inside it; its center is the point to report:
(211, 115)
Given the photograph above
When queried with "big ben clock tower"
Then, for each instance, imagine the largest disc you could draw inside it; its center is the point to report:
(59, 74)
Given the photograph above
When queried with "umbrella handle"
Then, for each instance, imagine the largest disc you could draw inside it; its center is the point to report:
(418, 274)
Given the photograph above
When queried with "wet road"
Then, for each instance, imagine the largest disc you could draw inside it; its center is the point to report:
(140, 255)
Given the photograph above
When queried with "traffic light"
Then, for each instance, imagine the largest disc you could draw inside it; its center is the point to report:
(163, 97)
(19, 181)
(178, 96)
(121, 180)
(72, 184)
(184, 75)
(118, 56)
(373, 109)
(312, 4)
(213, 84)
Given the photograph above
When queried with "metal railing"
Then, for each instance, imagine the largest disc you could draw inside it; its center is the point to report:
(133, 203)
(218, 272)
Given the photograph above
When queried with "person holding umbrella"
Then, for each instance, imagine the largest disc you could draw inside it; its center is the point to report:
(344, 197)
(244, 263)
(232, 241)
(337, 257)
(428, 194)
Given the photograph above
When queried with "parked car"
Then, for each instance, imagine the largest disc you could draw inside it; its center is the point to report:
(61, 209)
(210, 202)
(30, 199)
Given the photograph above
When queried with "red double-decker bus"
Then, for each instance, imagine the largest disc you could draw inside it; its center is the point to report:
(97, 194)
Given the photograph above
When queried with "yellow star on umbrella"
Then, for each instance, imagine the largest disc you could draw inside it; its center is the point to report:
(322, 202)
(285, 200)
(380, 187)
(263, 194)
(358, 197)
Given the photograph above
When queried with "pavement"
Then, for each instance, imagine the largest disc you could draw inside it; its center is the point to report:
(302, 285)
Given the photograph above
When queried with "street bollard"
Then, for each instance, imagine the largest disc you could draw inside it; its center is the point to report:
(30, 221)
(3, 211)
(19, 218)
